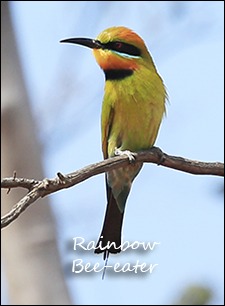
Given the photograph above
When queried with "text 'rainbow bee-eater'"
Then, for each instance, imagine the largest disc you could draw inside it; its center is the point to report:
(133, 107)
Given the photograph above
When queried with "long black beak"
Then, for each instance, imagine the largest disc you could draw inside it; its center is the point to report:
(87, 42)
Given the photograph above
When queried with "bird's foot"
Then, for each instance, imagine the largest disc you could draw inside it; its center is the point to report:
(127, 153)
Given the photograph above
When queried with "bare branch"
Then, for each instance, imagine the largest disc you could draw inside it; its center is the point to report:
(18, 182)
(39, 189)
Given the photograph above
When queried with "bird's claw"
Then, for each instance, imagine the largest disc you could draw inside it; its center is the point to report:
(127, 153)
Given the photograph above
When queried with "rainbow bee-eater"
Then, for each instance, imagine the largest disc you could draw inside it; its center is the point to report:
(133, 107)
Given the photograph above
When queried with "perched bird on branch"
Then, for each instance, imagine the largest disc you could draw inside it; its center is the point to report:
(133, 107)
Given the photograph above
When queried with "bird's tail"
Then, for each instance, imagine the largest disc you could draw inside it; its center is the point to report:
(118, 184)
(111, 231)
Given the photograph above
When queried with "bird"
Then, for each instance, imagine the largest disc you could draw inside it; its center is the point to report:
(132, 111)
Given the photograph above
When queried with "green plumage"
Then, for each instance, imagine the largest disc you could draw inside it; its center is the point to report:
(132, 111)
(131, 115)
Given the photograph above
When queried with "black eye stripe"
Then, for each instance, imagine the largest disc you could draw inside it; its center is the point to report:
(122, 47)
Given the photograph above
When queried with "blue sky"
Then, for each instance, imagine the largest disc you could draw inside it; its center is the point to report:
(181, 211)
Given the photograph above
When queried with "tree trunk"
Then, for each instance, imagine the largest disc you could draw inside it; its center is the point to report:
(30, 255)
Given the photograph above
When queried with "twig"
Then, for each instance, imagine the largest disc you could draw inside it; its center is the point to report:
(45, 187)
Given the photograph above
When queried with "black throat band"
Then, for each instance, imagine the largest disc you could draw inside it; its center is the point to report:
(117, 74)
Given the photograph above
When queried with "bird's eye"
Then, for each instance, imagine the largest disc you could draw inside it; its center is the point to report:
(121, 47)
(117, 44)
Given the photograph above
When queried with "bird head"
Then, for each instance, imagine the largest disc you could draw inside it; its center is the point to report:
(117, 48)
